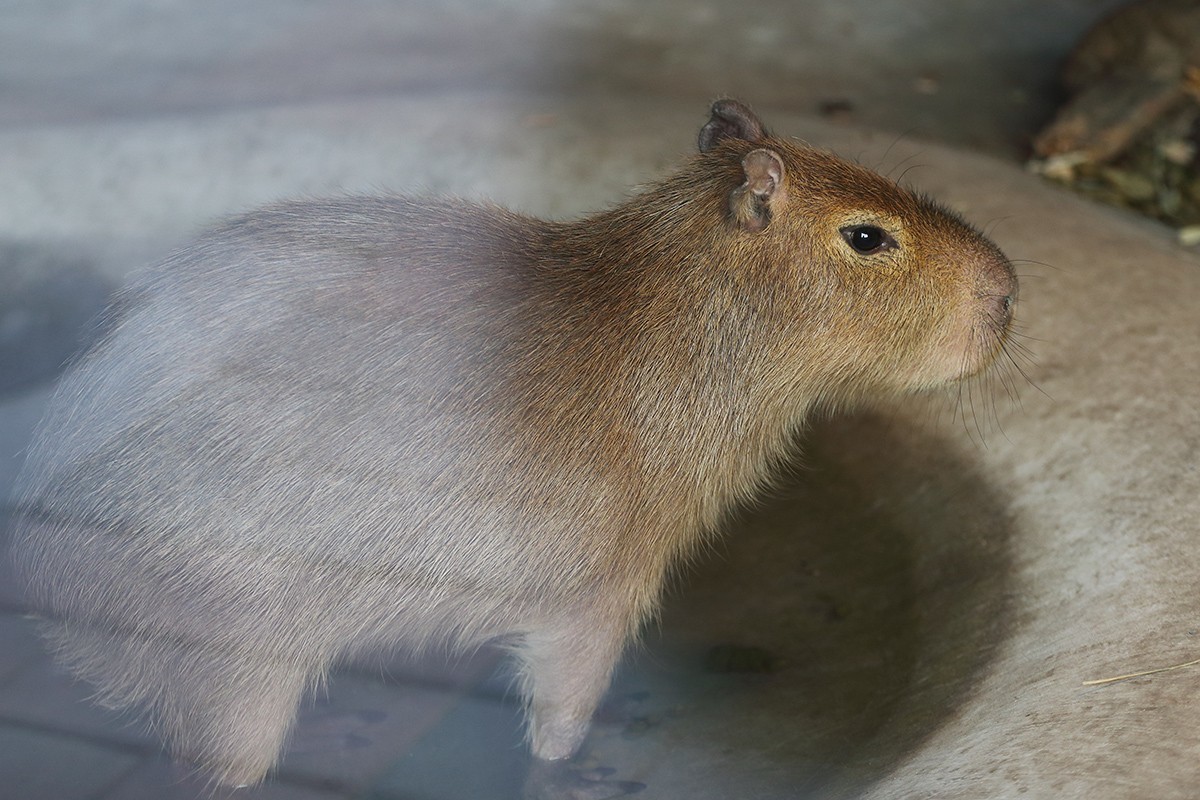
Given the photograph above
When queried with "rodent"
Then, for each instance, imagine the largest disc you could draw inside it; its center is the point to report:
(333, 427)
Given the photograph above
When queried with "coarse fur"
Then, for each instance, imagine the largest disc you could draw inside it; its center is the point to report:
(330, 427)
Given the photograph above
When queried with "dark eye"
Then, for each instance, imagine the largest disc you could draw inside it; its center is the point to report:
(868, 239)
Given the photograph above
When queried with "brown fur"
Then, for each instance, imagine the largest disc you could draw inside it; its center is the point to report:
(330, 427)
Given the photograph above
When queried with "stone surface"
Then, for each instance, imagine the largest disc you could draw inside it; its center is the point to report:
(39, 766)
(44, 696)
(358, 728)
(49, 300)
(476, 750)
(19, 646)
(158, 779)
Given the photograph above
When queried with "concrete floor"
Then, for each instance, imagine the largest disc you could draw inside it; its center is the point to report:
(126, 124)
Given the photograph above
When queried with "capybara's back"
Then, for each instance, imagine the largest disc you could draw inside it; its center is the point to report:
(273, 459)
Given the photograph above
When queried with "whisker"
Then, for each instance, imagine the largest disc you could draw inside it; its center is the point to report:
(1018, 343)
(900, 180)
(1018, 337)
(993, 397)
(958, 412)
(990, 226)
(883, 159)
(1004, 376)
(1007, 349)
(1016, 261)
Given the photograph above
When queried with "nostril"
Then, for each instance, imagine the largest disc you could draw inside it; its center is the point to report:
(1004, 308)
(999, 307)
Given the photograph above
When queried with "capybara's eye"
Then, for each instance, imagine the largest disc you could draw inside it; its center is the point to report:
(868, 239)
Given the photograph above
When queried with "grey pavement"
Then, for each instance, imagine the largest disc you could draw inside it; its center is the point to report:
(126, 124)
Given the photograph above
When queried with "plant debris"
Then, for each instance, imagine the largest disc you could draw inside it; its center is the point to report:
(1141, 674)
(1130, 133)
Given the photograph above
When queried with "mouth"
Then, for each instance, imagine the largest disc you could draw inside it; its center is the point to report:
(988, 341)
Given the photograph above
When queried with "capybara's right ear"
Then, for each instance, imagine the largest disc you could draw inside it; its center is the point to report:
(730, 119)
(751, 203)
